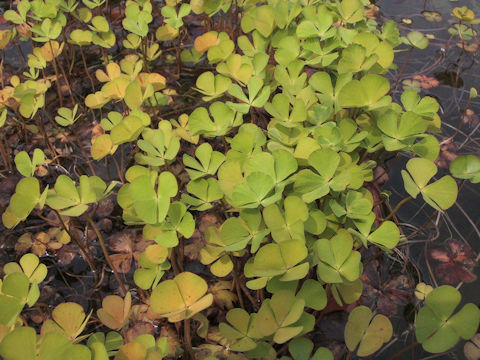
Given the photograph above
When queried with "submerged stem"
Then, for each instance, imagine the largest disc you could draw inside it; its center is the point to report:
(404, 350)
(399, 205)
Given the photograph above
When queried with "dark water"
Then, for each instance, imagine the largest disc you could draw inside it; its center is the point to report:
(456, 71)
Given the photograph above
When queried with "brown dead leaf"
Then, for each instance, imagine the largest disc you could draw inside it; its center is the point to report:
(426, 82)
(41, 171)
(446, 156)
(172, 337)
(207, 220)
(457, 261)
(105, 225)
(380, 175)
(468, 46)
(192, 249)
(105, 208)
(222, 294)
(372, 11)
(24, 243)
(37, 316)
(140, 328)
(127, 245)
(383, 289)
(122, 262)
(122, 242)
(142, 313)
(470, 118)
(66, 254)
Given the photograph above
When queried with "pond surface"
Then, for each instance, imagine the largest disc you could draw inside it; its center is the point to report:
(445, 70)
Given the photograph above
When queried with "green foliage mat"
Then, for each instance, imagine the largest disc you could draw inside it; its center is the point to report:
(267, 180)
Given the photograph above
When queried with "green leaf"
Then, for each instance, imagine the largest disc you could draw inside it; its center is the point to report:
(224, 119)
(25, 166)
(338, 262)
(441, 194)
(277, 316)
(181, 298)
(207, 164)
(281, 259)
(314, 295)
(27, 196)
(179, 222)
(151, 205)
(466, 167)
(387, 235)
(241, 332)
(205, 192)
(160, 145)
(370, 333)
(73, 201)
(367, 92)
(259, 18)
(20, 344)
(437, 328)
(352, 11)
(212, 86)
(288, 225)
(416, 39)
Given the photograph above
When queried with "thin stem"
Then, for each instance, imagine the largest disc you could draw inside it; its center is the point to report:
(187, 338)
(84, 153)
(173, 261)
(86, 254)
(404, 350)
(3, 151)
(400, 74)
(86, 69)
(2, 80)
(177, 54)
(181, 253)
(248, 295)
(47, 140)
(105, 56)
(119, 173)
(237, 281)
(105, 253)
(64, 75)
(399, 205)
(57, 76)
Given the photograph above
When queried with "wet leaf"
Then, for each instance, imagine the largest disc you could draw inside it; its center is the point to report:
(368, 333)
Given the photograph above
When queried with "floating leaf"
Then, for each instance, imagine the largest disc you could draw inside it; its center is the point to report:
(370, 333)
(440, 195)
(437, 327)
(466, 167)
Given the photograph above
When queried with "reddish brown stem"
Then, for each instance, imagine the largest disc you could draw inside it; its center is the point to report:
(404, 350)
